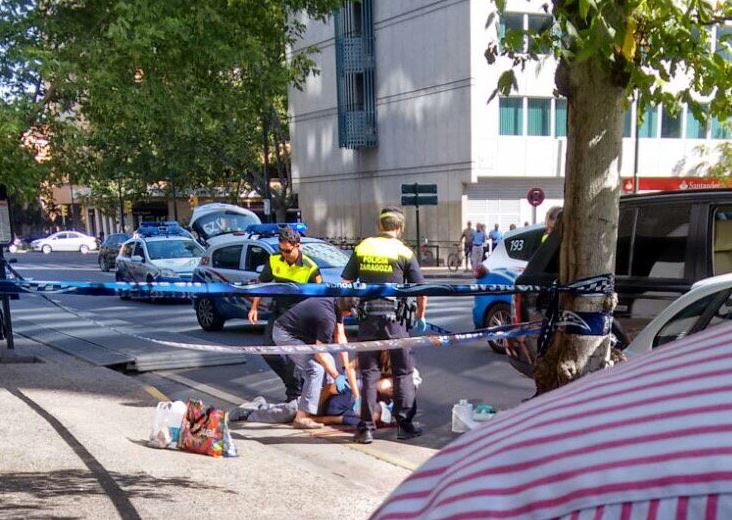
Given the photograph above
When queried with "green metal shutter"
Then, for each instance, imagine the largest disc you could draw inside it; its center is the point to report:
(560, 119)
(511, 116)
(539, 116)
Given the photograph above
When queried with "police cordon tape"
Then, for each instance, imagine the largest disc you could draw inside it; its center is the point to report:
(594, 285)
(603, 284)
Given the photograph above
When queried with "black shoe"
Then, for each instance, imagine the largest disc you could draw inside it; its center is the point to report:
(363, 437)
(406, 431)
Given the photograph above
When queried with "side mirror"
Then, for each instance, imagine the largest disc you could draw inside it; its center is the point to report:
(137, 259)
(259, 269)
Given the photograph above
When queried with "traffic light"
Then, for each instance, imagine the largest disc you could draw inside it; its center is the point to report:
(64, 210)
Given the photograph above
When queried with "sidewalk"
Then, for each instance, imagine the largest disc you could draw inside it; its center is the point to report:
(75, 447)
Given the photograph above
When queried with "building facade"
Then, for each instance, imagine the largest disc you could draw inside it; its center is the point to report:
(402, 97)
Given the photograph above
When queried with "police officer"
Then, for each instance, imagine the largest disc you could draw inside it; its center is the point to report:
(289, 265)
(385, 259)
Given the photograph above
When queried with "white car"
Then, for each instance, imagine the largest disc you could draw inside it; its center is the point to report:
(170, 258)
(708, 303)
(216, 219)
(65, 241)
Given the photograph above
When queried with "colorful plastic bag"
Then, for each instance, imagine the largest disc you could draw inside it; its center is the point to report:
(205, 431)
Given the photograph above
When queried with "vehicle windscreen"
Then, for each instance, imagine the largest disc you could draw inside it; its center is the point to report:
(174, 249)
(223, 222)
(325, 255)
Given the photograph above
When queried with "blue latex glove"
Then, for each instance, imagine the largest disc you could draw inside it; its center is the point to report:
(357, 406)
(341, 383)
(420, 326)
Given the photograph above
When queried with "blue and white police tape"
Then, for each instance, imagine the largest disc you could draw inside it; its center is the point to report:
(445, 340)
(603, 284)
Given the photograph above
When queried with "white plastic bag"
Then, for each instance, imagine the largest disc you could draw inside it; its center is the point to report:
(166, 424)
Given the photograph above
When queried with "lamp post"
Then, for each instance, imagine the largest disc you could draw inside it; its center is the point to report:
(637, 146)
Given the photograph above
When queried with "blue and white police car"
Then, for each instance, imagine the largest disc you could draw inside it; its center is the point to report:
(158, 252)
(240, 257)
(503, 267)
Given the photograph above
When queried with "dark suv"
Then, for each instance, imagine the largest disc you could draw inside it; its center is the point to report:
(666, 242)
(110, 248)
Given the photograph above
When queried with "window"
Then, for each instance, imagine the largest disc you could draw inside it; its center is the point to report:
(511, 116)
(659, 244)
(723, 313)
(560, 118)
(523, 245)
(227, 257)
(138, 250)
(695, 129)
(670, 125)
(683, 322)
(722, 236)
(126, 250)
(539, 116)
(540, 24)
(723, 44)
(257, 256)
(174, 249)
(720, 130)
(628, 123)
(650, 123)
(511, 22)
(325, 255)
(626, 223)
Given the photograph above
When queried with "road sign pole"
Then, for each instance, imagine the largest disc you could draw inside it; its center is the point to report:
(419, 243)
(533, 214)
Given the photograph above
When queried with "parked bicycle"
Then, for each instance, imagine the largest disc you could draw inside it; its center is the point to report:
(455, 258)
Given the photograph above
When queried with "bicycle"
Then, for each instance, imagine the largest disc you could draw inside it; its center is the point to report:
(455, 258)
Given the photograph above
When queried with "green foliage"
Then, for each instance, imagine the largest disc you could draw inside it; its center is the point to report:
(145, 93)
(646, 45)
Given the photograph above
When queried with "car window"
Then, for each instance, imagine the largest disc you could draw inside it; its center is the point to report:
(723, 313)
(626, 225)
(138, 250)
(227, 257)
(325, 255)
(722, 236)
(659, 243)
(683, 322)
(523, 245)
(127, 249)
(59, 236)
(256, 256)
(163, 249)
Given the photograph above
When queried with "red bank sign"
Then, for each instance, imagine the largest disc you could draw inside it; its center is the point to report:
(672, 183)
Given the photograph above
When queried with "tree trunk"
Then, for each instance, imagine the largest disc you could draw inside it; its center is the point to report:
(590, 216)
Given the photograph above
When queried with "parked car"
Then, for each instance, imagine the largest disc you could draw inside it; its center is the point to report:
(666, 242)
(158, 258)
(707, 304)
(109, 250)
(65, 241)
(502, 266)
(218, 219)
(240, 257)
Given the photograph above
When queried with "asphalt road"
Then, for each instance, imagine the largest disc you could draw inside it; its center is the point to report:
(472, 372)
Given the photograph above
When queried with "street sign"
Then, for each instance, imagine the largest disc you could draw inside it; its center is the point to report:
(419, 200)
(419, 194)
(535, 196)
(6, 230)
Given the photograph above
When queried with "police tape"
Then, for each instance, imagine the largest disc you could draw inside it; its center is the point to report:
(603, 284)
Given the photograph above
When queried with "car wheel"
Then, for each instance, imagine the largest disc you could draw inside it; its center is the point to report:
(103, 265)
(84, 249)
(208, 317)
(46, 249)
(118, 278)
(499, 314)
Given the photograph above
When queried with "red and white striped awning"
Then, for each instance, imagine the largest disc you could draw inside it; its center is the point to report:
(650, 438)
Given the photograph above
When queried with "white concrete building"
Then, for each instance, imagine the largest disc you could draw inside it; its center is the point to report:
(414, 86)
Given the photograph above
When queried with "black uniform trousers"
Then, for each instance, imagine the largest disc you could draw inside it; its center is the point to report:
(402, 366)
(282, 365)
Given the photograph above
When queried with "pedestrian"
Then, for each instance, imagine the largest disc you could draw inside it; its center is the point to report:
(312, 322)
(550, 221)
(385, 259)
(467, 239)
(289, 265)
(512, 227)
(478, 245)
(495, 236)
(526, 223)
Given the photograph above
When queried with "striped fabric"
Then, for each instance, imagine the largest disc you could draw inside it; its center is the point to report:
(650, 438)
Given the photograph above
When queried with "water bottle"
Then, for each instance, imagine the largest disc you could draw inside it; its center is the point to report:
(462, 415)
(175, 419)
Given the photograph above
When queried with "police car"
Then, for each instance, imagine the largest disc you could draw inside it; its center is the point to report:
(162, 252)
(217, 219)
(241, 257)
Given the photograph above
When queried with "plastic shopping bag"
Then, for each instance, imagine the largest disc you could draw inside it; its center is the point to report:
(205, 431)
